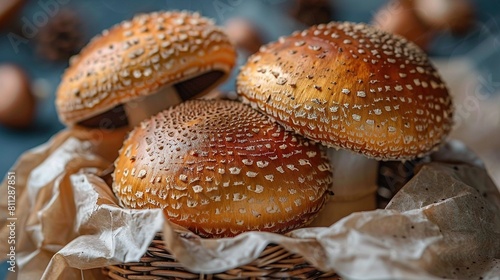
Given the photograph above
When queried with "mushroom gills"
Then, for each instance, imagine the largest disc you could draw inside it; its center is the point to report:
(111, 119)
(190, 88)
(134, 112)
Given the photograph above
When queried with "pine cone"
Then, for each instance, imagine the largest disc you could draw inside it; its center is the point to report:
(61, 37)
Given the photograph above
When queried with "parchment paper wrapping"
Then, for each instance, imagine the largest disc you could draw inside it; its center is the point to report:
(444, 223)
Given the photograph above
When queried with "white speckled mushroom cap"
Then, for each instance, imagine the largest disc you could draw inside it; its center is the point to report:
(138, 57)
(351, 86)
(219, 168)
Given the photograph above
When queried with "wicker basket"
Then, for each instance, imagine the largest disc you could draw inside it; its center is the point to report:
(274, 263)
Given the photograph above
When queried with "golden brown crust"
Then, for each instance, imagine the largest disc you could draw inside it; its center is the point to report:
(351, 86)
(221, 168)
(138, 57)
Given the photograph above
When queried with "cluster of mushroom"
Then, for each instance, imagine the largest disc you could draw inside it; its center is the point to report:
(220, 167)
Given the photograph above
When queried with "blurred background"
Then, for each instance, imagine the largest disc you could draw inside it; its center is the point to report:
(37, 38)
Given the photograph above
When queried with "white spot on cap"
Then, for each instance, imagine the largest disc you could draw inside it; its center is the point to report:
(197, 189)
(191, 203)
(304, 162)
(257, 189)
(262, 164)
(314, 47)
(239, 197)
(299, 43)
(142, 174)
(297, 202)
(311, 154)
(292, 167)
(281, 81)
(137, 74)
(234, 170)
(272, 209)
(361, 93)
(252, 174)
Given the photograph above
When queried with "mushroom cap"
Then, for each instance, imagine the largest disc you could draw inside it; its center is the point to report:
(9, 10)
(18, 104)
(351, 86)
(139, 57)
(219, 168)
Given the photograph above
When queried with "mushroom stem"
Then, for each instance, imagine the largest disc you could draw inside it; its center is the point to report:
(143, 108)
(354, 186)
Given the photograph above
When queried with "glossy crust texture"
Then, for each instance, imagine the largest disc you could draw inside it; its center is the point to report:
(351, 86)
(220, 168)
(137, 58)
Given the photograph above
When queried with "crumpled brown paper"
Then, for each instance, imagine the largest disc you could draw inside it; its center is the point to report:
(443, 223)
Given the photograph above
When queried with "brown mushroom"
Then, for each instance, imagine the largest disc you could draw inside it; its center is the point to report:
(9, 10)
(139, 67)
(421, 20)
(353, 87)
(399, 17)
(17, 105)
(456, 16)
(220, 168)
